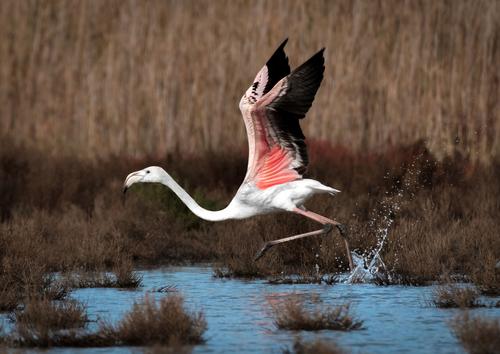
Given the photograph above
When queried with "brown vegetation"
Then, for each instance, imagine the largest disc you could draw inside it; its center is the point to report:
(41, 319)
(449, 295)
(61, 214)
(293, 314)
(314, 347)
(75, 279)
(111, 78)
(167, 323)
(44, 323)
(477, 335)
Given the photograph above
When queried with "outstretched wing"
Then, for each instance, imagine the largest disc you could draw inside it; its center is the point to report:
(278, 152)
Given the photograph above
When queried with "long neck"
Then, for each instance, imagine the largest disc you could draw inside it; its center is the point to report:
(199, 211)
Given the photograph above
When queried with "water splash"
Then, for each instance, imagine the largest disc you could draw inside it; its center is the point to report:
(369, 266)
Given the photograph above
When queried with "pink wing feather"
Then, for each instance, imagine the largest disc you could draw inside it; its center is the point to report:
(277, 149)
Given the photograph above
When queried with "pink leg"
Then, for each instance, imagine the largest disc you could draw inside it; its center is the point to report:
(328, 224)
(270, 244)
(325, 221)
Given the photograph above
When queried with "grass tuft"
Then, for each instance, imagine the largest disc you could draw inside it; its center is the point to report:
(125, 277)
(45, 323)
(477, 335)
(40, 319)
(451, 295)
(165, 323)
(292, 314)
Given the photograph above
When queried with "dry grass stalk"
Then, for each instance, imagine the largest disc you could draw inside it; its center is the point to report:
(40, 319)
(292, 314)
(450, 295)
(314, 347)
(22, 278)
(125, 277)
(165, 323)
(477, 335)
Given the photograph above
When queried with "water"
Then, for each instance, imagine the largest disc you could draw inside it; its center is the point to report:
(396, 318)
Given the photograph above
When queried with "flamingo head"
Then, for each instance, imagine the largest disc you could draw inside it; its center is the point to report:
(152, 174)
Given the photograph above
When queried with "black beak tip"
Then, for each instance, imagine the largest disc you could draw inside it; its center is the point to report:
(125, 190)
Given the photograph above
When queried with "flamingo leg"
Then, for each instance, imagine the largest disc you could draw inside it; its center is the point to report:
(328, 225)
(341, 227)
(326, 229)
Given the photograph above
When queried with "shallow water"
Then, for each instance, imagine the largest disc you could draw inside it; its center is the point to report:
(396, 318)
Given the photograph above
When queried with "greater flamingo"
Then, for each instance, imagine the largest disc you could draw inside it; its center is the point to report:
(271, 108)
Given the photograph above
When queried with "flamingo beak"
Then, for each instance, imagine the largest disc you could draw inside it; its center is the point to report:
(132, 178)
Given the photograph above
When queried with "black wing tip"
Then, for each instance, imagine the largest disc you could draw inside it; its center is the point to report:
(277, 66)
(279, 54)
(282, 45)
(316, 61)
(319, 55)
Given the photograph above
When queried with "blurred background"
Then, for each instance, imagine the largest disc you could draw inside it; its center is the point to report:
(104, 78)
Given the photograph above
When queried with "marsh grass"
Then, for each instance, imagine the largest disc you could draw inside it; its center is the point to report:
(293, 314)
(125, 280)
(478, 335)
(317, 346)
(444, 218)
(452, 295)
(37, 323)
(488, 278)
(125, 277)
(22, 278)
(166, 322)
(45, 323)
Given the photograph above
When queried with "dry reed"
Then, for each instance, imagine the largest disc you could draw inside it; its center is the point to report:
(111, 78)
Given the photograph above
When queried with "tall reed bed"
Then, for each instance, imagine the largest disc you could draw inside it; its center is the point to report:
(131, 78)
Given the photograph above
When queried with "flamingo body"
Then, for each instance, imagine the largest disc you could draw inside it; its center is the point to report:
(251, 200)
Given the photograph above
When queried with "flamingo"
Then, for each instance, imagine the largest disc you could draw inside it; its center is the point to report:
(271, 108)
